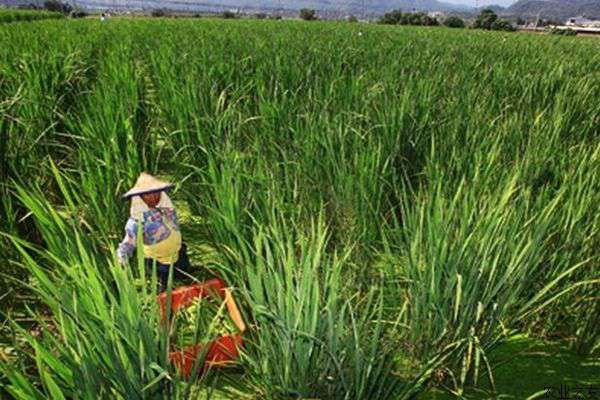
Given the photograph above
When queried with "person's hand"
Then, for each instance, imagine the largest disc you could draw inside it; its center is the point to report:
(122, 260)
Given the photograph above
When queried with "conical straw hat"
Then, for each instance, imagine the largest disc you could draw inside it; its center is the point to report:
(146, 183)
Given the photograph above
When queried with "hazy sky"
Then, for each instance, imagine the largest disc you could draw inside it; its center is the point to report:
(504, 3)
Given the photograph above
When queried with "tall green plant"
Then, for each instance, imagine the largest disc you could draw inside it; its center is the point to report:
(466, 264)
(309, 338)
(106, 338)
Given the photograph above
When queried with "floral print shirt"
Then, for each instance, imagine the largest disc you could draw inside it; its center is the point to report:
(157, 226)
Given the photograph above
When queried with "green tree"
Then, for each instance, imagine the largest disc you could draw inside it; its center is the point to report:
(426, 20)
(502, 25)
(308, 14)
(78, 13)
(159, 12)
(57, 6)
(485, 19)
(228, 15)
(454, 22)
(420, 18)
(393, 17)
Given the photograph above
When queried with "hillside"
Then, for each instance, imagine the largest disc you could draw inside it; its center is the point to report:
(548, 9)
(555, 9)
(342, 7)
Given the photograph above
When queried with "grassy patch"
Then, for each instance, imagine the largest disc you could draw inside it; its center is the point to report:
(525, 366)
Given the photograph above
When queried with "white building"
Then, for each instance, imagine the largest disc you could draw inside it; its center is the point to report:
(583, 22)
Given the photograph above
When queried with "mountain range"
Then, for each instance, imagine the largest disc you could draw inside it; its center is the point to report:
(554, 9)
(358, 7)
(547, 9)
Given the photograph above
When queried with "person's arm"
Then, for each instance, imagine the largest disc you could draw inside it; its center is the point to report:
(127, 245)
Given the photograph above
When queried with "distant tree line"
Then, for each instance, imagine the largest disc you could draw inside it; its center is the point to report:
(56, 6)
(397, 17)
(454, 22)
(487, 20)
(308, 14)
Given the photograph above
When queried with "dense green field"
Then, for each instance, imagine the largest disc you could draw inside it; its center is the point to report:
(14, 15)
(390, 204)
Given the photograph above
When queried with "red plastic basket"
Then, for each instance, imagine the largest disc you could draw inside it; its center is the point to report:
(184, 296)
(220, 352)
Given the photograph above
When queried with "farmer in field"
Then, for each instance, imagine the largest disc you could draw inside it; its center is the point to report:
(163, 248)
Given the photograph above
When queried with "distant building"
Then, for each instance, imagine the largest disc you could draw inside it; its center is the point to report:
(583, 22)
(435, 14)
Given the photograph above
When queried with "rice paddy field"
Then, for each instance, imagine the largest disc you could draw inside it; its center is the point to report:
(402, 212)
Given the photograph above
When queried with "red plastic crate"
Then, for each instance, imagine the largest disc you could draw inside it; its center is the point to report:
(222, 351)
(184, 296)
